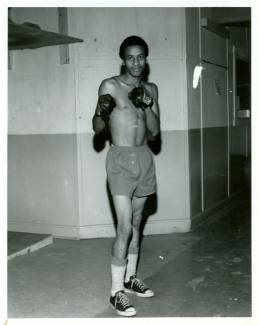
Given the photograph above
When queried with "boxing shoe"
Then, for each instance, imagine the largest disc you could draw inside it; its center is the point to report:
(120, 302)
(138, 287)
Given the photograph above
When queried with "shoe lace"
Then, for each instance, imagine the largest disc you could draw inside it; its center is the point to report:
(123, 299)
(139, 283)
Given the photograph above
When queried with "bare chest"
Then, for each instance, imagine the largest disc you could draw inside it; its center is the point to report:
(125, 108)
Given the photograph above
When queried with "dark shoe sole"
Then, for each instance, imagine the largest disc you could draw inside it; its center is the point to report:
(124, 313)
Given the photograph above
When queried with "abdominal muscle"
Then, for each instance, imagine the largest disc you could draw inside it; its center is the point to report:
(127, 127)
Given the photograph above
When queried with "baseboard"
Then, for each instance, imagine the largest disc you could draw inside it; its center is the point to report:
(57, 231)
(151, 228)
(98, 231)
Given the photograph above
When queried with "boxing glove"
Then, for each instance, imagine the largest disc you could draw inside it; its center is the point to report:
(139, 98)
(105, 106)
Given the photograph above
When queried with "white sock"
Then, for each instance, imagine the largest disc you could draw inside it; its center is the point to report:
(132, 264)
(118, 272)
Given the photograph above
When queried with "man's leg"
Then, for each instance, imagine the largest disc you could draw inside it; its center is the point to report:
(133, 252)
(123, 208)
(118, 299)
(132, 283)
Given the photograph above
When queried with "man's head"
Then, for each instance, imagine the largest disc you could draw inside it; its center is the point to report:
(133, 52)
(133, 41)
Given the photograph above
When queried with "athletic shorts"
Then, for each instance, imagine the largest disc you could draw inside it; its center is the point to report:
(131, 171)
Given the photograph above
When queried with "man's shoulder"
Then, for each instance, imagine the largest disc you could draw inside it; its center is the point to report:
(150, 87)
(108, 81)
(147, 84)
(108, 84)
(111, 80)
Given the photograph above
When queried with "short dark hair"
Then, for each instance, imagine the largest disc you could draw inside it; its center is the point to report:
(131, 41)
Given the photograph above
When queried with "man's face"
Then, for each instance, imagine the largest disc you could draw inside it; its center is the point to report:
(135, 60)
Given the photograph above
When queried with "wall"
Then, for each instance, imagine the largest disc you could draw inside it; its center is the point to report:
(240, 129)
(42, 155)
(164, 31)
(214, 140)
(56, 176)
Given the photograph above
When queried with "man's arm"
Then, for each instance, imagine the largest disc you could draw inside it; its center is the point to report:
(98, 121)
(153, 114)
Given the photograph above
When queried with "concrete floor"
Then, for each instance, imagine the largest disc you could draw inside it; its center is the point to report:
(206, 272)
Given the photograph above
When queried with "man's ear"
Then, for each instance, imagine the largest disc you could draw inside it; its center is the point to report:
(122, 67)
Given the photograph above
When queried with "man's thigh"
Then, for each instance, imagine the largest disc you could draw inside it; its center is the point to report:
(123, 208)
(138, 204)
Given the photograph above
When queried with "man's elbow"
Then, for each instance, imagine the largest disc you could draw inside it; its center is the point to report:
(97, 126)
(155, 131)
(98, 130)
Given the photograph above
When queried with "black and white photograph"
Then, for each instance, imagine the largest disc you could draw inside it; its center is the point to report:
(129, 162)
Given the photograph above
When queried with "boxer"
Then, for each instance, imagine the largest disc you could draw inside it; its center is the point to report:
(128, 105)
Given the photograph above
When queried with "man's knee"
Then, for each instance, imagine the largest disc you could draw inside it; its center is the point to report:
(124, 229)
(136, 223)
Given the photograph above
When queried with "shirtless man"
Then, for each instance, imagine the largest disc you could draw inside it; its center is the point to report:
(130, 108)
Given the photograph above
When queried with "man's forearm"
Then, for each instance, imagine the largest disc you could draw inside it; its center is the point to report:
(153, 122)
(98, 124)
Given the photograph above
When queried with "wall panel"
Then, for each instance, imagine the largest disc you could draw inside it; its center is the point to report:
(50, 113)
(42, 182)
(215, 162)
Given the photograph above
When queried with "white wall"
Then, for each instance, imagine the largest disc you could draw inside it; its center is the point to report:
(52, 106)
(164, 31)
(57, 180)
(42, 150)
(41, 91)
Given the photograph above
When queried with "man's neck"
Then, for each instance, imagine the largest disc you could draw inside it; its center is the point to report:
(131, 81)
